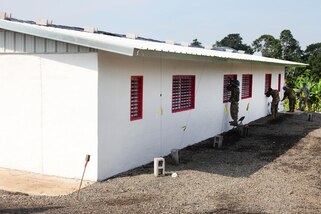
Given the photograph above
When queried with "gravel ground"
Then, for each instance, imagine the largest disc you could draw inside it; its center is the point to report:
(277, 169)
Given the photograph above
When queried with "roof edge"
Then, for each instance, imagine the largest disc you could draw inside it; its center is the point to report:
(69, 36)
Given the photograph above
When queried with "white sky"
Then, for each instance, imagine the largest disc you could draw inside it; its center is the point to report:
(181, 20)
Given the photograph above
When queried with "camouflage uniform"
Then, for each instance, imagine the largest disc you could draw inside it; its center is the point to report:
(290, 94)
(275, 101)
(304, 96)
(234, 99)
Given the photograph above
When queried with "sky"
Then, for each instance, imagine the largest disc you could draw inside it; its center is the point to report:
(181, 20)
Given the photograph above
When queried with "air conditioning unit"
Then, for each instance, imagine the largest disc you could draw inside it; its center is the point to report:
(5, 16)
(131, 36)
(90, 29)
(44, 22)
(185, 44)
(170, 42)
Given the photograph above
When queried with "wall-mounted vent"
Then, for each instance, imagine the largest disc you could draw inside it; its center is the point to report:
(5, 16)
(90, 29)
(44, 22)
(185, 44)
(170, 42)
(131, 36)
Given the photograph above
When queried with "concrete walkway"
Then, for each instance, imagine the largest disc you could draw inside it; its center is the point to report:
(37, 184)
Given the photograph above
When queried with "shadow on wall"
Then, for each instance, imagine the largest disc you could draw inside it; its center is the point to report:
(241, 157)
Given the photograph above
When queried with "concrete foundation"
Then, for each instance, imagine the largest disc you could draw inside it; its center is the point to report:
(175, 155)
(244, 130)
(159, 166)
(218, 141)
(310, 117)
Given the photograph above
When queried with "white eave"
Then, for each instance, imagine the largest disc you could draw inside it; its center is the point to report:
(127, 46)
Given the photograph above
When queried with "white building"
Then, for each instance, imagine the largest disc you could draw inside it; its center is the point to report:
(124, 100)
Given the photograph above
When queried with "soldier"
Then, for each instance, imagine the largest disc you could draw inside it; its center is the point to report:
(304, 96)
(234, 99)
(290, 94)
(275, 101)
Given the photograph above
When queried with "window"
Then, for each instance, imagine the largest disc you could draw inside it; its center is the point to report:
(246, 86)
(227, 93)
(136, 98)
(279, 83)
(268, 81)
(183, 94)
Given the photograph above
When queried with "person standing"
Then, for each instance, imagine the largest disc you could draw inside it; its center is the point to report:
(290, 94)
(275, 101)
(234, 99)
(304, 96)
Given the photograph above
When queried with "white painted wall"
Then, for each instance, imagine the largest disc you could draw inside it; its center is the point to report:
(56, 108)
(124, 144)
(48, 113)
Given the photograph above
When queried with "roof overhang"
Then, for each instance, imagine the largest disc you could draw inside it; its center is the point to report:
(131, 47)
(212, 58)
(97, 41)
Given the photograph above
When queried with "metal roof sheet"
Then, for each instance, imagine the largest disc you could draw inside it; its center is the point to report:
(118, 43)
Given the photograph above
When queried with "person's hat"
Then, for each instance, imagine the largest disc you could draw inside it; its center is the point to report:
(284, 87)
(236, 83)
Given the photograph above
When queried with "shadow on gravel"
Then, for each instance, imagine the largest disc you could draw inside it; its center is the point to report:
(29, 210)
(241, 157)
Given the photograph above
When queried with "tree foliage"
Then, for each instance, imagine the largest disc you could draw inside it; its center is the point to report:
(234, 41)
(286, 47)
(268, 46)
(196, 44)
(290, 47)
(314, 102)
(312, 55)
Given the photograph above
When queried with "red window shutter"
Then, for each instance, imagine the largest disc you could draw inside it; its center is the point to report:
(226, 81)
(279, 83)
(246, 86)
(136, 98)
(183, 93)
(268, 81)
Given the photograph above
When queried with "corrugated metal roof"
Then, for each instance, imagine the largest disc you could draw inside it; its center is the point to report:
(118, 43)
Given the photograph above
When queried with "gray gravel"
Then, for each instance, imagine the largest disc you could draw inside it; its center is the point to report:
(277, 169)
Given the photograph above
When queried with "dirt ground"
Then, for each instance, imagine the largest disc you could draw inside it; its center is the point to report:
(36, 184)
(276, 169)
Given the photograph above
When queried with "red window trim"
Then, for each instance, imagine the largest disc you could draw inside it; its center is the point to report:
(136, 97)
(268, 82)
(244, 96)
(226, 93)
(279, 83)
(181, 95)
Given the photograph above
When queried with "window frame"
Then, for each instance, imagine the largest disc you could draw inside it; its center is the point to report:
(268, 82)
(249, 87)
(279, 82)
(177, 91)
(139, 101)
(227, 93)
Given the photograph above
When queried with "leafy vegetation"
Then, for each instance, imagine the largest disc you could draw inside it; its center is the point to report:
(234, 41)
(285, 47)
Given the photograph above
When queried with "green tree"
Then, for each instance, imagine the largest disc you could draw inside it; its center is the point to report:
(268, 46)
(196, 44)
(234, 41)
(290, 47)
(312, 56)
